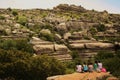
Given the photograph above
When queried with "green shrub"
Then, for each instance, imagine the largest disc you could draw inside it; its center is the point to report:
(104, 55)
(101, 28)
(23, 66)
(76, 57)
(113, 65)
(22, 20)
(93, 31)
(47, 36)
(44, 66)
(15, 12)
(2, 17)
(110, 62)
(22, 45)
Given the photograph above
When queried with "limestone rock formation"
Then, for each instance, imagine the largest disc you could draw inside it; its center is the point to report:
(59, 51)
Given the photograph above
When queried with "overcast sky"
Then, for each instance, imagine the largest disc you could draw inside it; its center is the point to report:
(112, 6)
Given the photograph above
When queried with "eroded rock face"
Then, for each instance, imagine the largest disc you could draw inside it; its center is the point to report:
(91, 45)
(78, 25)
(99, 45)
(89, 48)
(59, 51)
(61, 48)
(43, 49)
(62, 27)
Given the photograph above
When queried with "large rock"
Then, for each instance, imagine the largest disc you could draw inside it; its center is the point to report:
(77, 46)
(30, 24)
(78, 25)
(17, 26)
(45, 31)
(58, 37)
(67, 35)
(61, 27)
(38, 41)
(61, 48)
(43, 49)
(99, 45)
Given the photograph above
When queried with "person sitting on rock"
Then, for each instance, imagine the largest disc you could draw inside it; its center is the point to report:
(99, 65)
(85, 67)
(79, 67)
(90, 67)
(95, 66)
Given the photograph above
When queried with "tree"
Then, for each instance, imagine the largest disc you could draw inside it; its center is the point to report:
(14, 12)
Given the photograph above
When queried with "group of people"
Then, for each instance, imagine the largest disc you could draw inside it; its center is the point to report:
(90, 67)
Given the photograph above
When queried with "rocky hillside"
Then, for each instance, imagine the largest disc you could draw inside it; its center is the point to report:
(62, 29)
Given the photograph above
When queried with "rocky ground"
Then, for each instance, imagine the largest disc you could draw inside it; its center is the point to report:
(81, 76)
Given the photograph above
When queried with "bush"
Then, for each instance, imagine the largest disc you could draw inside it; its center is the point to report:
(14, 12)
(2, 17)
(22, 20)
(44, 66)
(101, 28)
(47, 36)
(104, 55)
(76, 58)
(93, 31)
(23, 66)
(21, 45)
(110, 61)
(113, 65)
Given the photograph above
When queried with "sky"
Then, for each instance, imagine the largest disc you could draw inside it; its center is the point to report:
(112, 6)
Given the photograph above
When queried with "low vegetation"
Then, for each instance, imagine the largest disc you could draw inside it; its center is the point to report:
(111, 61)
(17, 65)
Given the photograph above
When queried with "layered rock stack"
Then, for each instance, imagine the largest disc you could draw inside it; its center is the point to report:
(59, 51)
(88, 48)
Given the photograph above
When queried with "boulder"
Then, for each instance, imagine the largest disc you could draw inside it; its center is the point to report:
(42, 49)
(8, 31)
(38, 41)
(61, 27)
(67, 35)
(17, 26)
(30, 24)
(45, 31)
(58, 37)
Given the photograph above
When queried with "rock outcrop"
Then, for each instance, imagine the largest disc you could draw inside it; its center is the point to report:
(80, 76)
(59, 51)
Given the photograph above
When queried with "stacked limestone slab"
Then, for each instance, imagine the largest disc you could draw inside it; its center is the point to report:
(59, 51)
(89, 48)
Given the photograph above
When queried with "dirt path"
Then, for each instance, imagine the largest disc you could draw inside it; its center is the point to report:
(82, 76)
